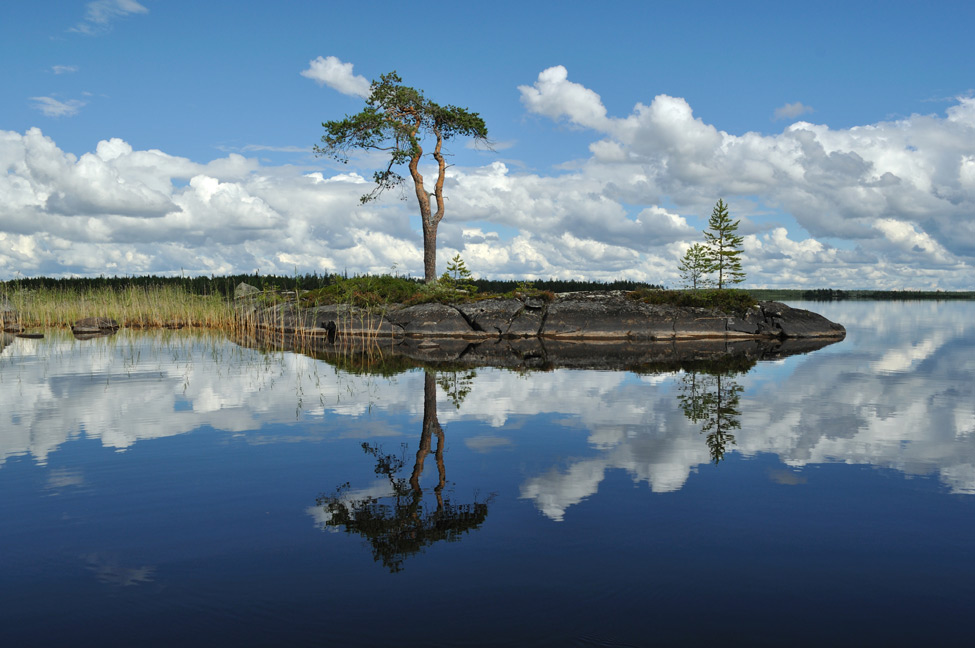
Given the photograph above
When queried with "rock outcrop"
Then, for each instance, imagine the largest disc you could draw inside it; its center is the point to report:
(588, 316)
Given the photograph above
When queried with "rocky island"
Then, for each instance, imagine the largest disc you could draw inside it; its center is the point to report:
(609, 329)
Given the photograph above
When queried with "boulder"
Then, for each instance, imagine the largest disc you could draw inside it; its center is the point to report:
(95, 325)
(246, 291)
(91, 327)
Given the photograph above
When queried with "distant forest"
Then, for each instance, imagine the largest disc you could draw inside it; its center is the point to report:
(225, 286)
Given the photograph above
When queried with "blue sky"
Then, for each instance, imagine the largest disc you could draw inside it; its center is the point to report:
(164, 137)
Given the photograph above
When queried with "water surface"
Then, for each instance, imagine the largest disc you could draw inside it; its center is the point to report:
(172, 488)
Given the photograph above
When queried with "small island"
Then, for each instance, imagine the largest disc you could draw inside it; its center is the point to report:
(610, 329)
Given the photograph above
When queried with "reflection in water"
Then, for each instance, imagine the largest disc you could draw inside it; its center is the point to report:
(897, 393)
(397, 522)
(108, 570)
(457, 385)
(712, 400)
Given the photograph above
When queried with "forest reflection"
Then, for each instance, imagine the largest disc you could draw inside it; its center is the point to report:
(402, 522)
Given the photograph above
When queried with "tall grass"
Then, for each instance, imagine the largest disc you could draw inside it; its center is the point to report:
(133, 306)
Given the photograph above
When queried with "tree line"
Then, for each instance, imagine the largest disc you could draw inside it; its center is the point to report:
(225, 285)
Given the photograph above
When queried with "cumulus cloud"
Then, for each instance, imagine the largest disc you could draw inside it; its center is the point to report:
(337, 75)
(885, 205)
(100, 14)
(64, 69)
(791, 110)
(52, 107)
(554, 96)
(835, 183)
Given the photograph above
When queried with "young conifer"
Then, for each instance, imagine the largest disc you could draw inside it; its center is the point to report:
(724, 246)
(694, 267)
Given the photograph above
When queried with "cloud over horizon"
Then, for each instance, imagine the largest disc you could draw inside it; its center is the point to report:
(885, 205)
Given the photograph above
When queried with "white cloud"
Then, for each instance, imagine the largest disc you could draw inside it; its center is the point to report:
(886, 205)
(64, 69)
(100, 14)
(51, 107)
(791, 110)
(837, 184)
(554, 96)
(337, 75)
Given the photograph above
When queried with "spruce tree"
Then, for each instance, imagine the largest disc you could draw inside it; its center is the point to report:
(724, 246)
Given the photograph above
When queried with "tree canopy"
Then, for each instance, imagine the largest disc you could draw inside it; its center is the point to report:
(396, 120)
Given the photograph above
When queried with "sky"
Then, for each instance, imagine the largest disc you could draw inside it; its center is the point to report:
(169, 137)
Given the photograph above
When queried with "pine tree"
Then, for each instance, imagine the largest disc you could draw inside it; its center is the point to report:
(694, 267)
(396, 121)
(724, 246)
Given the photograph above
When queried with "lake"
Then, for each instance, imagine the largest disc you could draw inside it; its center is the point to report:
(173, 488)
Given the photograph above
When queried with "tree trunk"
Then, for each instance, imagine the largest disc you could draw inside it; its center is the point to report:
(429, 246)
(431, 427)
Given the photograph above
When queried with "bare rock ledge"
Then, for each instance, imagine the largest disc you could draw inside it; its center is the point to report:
(584, 316)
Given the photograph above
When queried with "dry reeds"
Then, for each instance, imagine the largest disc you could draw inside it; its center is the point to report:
(134, 307)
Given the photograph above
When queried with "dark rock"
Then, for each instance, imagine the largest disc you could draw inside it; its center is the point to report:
(342, 319)
(750, 324)
(441, 320)
(605, 315)
(595, 316)
(492, 315)
(528, 323)
(451, 353)
(698, 322)
(95, 325)
(426, 350)
(92, 327)
(798, 323)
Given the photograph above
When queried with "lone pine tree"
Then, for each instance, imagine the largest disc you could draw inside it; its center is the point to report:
(396, 120)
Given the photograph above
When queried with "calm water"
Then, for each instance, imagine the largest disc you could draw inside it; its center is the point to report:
(176, 489)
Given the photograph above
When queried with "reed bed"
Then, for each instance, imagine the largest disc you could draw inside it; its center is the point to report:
(133, 307)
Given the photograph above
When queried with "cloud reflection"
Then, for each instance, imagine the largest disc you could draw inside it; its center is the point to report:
(898, 393)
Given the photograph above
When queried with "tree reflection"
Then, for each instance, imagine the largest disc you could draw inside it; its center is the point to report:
(712, 399)
(457, 385)
(401, 523)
